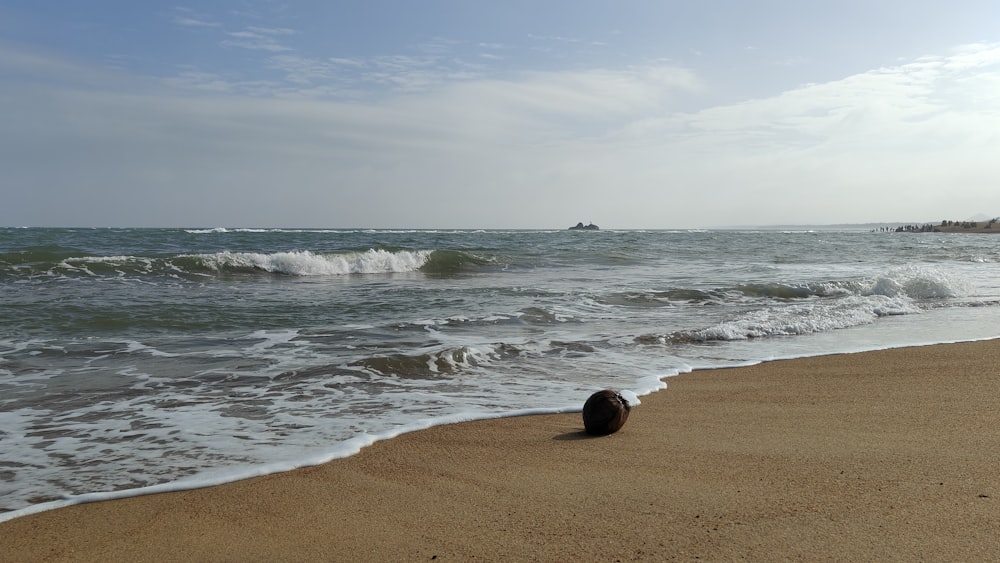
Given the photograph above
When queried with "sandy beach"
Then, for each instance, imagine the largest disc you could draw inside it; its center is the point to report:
(889, 455)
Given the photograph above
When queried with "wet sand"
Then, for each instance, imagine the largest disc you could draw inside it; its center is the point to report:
(891, 455)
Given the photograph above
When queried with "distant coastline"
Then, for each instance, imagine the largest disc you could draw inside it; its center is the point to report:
(986, 226)
(946, 226)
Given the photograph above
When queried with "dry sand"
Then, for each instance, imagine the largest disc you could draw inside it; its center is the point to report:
(891, 455)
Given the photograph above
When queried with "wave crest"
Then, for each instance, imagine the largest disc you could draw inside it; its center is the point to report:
(445, 262)
(791, 310)
(423, 366)
(915, 283)
(306, 263)
(800, 319)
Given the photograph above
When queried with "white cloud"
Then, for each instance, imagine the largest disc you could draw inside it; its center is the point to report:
(258, 38)
(187, 17)
(303, 70)
(192, 22)
(270, 31)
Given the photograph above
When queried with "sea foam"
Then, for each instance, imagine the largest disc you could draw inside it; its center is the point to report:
(306, 263)
(832, 306)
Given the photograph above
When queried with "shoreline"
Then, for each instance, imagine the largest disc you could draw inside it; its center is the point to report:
(882, 454)
(353, 446)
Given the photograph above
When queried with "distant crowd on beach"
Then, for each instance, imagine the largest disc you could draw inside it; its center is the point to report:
(945, 226)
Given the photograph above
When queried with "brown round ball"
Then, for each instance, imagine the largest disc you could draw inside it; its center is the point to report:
(605, 412)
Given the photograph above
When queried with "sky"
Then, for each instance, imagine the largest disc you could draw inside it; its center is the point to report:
(515, 114)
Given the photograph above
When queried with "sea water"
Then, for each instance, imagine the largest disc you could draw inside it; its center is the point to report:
(142, 360)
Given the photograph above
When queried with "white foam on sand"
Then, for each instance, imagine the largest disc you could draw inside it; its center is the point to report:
(346, 448)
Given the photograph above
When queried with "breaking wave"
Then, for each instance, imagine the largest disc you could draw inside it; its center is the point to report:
(426, 365)
(306, 263)
(800, 319)
(791, 310)
(66, 263)
(454, 261)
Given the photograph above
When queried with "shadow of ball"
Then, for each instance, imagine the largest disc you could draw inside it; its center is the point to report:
(605, 412)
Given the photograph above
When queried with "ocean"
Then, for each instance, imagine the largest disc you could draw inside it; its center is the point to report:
(143, 360)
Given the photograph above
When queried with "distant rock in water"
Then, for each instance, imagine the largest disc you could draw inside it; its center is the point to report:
(582, 227)
(605, 412)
